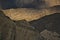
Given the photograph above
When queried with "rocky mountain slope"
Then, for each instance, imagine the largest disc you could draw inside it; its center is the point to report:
(30, 14)
(49, 22)
(7, 27)
(11, 31)
(29, 23)
(23, 30)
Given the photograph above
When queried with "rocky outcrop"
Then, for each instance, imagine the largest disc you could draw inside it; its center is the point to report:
(24, 30)
(10, 30)
(30, 14)
(48, 35)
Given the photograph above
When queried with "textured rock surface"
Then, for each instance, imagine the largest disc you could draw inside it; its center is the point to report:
(26, 34)
(48, 35)
(7, 27)
(36, 29)
(11, 31)
(30, 14)
(49, 22)
(25, 31)
(24, 24)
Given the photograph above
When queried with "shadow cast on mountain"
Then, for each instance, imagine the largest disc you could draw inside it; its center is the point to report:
(49, 22)
(7, 27)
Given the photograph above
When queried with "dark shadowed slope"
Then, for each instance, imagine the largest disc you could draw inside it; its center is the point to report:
(38, 4)
(25, 24)
(7, 27)
(49, 22)
(25, 31)
(56, 7)
(22, 32)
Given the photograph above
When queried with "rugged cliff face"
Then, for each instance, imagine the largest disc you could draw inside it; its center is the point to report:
(22, 30)
(10, 30)
(24, 12)
(30, 14)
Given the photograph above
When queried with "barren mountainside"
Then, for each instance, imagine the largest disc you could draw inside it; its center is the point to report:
(29, 19)
(30, 14)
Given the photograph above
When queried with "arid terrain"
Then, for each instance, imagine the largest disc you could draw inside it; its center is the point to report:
(29, 20)
(30, 14)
